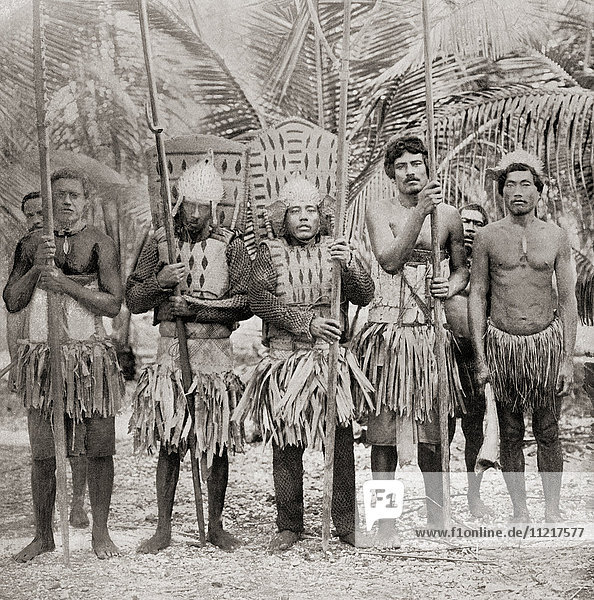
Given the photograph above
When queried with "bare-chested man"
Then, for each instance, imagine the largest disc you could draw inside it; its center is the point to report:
(526, 346)
(84, 270)
(396, 347)
(31, 206)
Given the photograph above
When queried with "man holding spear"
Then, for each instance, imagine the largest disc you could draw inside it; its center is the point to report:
(16, 324)
(84, 273)
(213, 269)
(396, 347)
(290, 290)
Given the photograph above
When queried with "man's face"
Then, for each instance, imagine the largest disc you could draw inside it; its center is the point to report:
(69, 202)
(520, 193)
(33, 214)
(302, 220)
(410, 173)
(471, 221)
(196, 217)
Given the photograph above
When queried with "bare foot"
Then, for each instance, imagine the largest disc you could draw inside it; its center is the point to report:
(387, 536)
(554, 516)
(283, 540)
(78, 516)
(103, 545)
(36, 547)
(522, 516)
(478, 508)
(223, 539)
(159, 541)
(348, 538)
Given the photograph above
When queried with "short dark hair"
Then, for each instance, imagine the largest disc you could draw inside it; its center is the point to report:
(398, 146)
(518, 167)
(27, 197)
(69, 173)
(478, 208)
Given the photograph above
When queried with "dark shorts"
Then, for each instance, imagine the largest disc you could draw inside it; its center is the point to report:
(94, 437)
(382, 429)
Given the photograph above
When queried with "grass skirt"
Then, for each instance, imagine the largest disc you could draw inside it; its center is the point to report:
(161, 415)
(91, 377)
(524, 368)
(401, 365)
(286, 396)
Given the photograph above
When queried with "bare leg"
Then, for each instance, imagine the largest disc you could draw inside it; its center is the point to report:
(429, 456)
(549, 455)
(384, 460)
(167, 477)
(217, 487)
(78, 515)
(100, 472)
(43, 489)
(511, 428)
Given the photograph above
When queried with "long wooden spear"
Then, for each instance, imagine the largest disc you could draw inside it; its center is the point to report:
(184, 356)
(53, 299)
(443, 399)
(341, 189)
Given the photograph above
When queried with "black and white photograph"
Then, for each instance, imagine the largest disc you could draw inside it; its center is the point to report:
(297, 299)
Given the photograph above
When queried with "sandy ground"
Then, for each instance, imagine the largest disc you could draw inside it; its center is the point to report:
(428, 569)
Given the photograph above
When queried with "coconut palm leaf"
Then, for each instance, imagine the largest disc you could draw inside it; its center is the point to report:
(584, 289)
(97, 86)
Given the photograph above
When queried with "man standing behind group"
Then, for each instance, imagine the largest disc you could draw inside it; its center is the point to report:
(213, 269)
(84, 270)
(396, 347)
(525, 347)
(473, 217)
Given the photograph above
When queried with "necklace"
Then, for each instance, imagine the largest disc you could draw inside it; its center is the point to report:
(67, 233)
(524, 257)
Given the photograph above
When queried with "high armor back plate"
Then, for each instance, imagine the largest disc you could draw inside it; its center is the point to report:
(294, 147)
(230, 160)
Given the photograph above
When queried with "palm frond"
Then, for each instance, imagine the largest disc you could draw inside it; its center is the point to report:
(584, 289)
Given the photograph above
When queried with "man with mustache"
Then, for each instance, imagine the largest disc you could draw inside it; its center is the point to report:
(81, 265)
(16, 324)
(473, 217)
(524, 345)
(396, 347)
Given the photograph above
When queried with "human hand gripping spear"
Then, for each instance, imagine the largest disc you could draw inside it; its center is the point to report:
(341, 186)
(53, 299)
(184, 358)
(440, 341)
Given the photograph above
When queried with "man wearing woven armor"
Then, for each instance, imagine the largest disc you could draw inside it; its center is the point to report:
(212, 270)
(84, 270)
(396, 347)
(31, 206)
(290, 290)
(525, 347)
(473, 217)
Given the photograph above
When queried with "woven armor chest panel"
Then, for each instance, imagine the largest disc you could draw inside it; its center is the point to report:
(76, 322)
(304, 273)
(404, 297)
(207, 275)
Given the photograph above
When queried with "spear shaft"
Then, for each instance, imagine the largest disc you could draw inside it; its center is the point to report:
(341, 185)
(440, 341)
(184, 356)
(53, 299)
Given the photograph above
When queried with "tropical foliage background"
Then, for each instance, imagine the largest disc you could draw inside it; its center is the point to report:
(506, 74)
